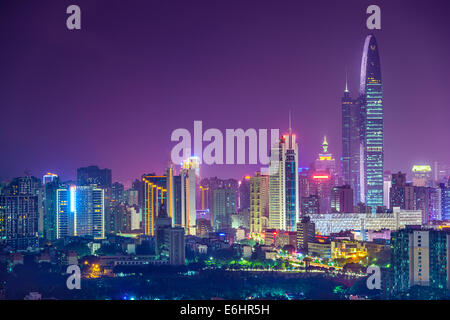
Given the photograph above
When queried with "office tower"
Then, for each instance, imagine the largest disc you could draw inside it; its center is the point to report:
(80, 211)
(170, 242)
(189, 173)
(94, 175)
(321, 185)
(65, 206)
(371, 96)
(102, 178)
(29, 186)
(342, 199)
(310, 205)
(445, 201)
(325, 162)
(283, 184)
(244, 193)
(419, 257)
(224, 204)
(19, 221)
(259, 202)
(50, 208)
(155, 194)
(305, 233)
(352, 146)
(422, 176)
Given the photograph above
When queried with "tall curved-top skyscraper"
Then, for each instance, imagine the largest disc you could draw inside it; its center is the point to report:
(372, 131)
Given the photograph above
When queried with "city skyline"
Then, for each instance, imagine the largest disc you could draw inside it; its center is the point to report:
(63, 131)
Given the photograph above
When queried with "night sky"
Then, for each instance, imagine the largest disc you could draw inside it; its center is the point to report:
(112, 93)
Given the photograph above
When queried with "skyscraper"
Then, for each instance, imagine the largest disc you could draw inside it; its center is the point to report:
(259, 202)
(283, 183)
(189, 172)
(351, 144)
(325, 162)
(80, 211)
(49, 219)
(155, 194)
(363, 132)
(371, 97)
(224, 203)
(19, 221)
(419, 257)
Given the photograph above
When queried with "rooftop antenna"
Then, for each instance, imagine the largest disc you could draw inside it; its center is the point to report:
(346, 80)
(290, 128)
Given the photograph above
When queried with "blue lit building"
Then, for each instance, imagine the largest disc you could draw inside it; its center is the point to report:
(80, 211)
(445, 201)
(372, 130)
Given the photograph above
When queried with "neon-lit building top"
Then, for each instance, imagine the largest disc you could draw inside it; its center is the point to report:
(421, 168)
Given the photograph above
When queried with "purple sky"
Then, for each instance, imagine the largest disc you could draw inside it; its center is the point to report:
(112, 93)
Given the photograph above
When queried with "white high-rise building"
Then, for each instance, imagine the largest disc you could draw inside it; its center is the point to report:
(283, 184)
(189, 173)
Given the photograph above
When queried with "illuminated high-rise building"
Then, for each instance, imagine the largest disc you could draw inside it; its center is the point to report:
(422, 176)
(49, 177)
(19, 221)
(371, 96)
(80, 211)
(445, 201)
(283, 183)
(204, 198)
(259, 202)
(419, 257)
(189, 173)
(155, 194)
(352, 147)
(325, 162)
